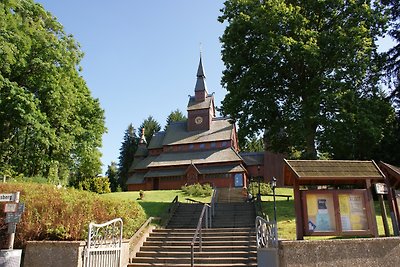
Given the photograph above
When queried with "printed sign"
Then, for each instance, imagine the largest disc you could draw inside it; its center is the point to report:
(10, 207)
(7, 197)
(13, 217)
(381, 189)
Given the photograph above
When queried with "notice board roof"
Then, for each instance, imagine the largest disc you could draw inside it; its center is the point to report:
(317, 172)
(392, 173)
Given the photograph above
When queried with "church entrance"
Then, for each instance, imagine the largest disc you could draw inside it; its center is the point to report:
(238, 180)
(156, 183)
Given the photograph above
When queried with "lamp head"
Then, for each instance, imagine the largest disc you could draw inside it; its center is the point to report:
(273, 182)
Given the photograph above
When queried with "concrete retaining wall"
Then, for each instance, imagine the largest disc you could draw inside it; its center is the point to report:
(61, 253)
(361, 252)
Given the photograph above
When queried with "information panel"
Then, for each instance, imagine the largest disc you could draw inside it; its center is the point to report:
(336, 212)
(321, 216)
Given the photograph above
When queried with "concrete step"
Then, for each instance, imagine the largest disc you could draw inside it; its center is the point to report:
(168, 242)
(205, 238)
(197, 254)
(185, 249)
(198, 260)
(188, 265)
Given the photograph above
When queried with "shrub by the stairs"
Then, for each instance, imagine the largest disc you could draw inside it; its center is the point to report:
(64, 214)
(197, 190)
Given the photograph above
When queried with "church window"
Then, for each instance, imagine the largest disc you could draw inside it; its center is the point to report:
(202, 146)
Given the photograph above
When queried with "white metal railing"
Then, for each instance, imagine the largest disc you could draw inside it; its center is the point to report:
(104, 244)
(198, 233)
(267, 233)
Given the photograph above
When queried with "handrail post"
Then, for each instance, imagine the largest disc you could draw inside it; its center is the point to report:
(192, 255)
(206, 218)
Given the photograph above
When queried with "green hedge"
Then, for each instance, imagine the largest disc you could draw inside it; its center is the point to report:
(65, 214)
(197, 190)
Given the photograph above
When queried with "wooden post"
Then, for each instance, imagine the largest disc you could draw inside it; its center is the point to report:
(393, 208)
(370, 201)
(298, 210)
(383, 214)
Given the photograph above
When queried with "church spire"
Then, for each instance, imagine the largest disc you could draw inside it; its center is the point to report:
(201, 87)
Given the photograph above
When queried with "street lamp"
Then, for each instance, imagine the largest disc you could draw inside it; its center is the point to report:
(273, 185)
(259, 182)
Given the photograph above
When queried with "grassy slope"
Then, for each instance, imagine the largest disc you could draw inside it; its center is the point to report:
(286, 215)
(155, 202)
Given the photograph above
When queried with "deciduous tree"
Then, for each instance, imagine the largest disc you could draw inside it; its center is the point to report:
(296, 70)
(50, 124)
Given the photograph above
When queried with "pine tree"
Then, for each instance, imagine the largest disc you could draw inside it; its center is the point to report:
(127, 152)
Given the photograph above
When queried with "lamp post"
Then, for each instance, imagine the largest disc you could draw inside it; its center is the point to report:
(259, 183)
(273, 185)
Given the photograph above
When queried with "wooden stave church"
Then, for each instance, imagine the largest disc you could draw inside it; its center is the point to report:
(203, 149)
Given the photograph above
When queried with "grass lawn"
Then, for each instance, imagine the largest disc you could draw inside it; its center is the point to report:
(286, 216)
(156, 202)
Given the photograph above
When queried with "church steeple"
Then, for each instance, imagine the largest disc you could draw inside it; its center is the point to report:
(200, 89)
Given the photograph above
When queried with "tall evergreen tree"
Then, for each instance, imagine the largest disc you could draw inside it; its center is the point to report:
(298, 70)
(175, 116)
(112, 174)
(126, 154)
(151, 126)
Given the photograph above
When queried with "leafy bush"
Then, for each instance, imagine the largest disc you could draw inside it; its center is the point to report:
(197, 190)
(65, 214)
(99, 185)
(264, 188)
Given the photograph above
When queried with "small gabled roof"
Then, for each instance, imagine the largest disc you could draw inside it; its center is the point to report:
(253, 158)
(157, 140)
(330, 171)
(141, 164)
(136, 178)
(392, 173)
(206, 104)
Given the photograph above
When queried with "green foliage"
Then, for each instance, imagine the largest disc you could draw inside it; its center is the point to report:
(252, 144)
(50, 125)
(175, 116)
(300, 71)
(112, 174)
(197, 190)
(126, 154)
(265, 188)
(151, 126)
(100, 185)
(65, 214)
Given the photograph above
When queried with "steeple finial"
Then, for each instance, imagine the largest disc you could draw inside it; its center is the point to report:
(142, 138)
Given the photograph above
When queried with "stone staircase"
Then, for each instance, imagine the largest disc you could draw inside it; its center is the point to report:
(234, 215)
(186, 216)
(220, 247)
(230, 242)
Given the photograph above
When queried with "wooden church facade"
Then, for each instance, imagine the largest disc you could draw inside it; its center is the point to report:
(203, 149)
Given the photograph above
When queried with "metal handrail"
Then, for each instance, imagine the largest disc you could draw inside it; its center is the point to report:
(171, 210)
(266, 233)
(198, 232)
(212, 204)
(194, 200)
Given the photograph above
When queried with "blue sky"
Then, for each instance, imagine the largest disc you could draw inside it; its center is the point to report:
(141, 57)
